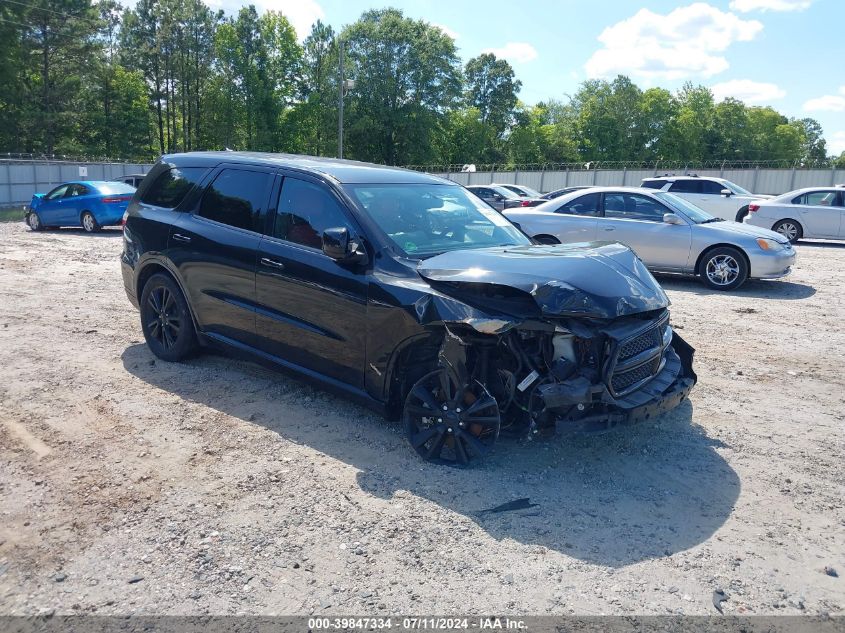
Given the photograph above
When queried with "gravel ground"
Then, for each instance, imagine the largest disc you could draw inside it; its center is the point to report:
(131, 485)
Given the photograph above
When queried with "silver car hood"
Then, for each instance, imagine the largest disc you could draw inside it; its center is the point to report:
(738, 229)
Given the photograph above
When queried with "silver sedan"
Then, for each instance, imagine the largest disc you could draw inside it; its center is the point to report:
(668, 233)
(812, 212)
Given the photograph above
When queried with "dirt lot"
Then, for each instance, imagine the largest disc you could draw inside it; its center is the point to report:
(130, 485)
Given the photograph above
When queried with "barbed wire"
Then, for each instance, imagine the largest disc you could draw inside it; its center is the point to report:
(662, 165)
(65, 158)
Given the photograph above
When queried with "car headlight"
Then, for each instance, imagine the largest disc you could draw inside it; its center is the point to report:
(770, 245)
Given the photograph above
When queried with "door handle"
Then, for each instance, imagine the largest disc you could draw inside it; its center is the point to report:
(272, 263)
(178, 237)
(610, 228)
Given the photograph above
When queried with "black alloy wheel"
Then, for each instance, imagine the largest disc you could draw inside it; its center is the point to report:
(448, 423)
(166, 320)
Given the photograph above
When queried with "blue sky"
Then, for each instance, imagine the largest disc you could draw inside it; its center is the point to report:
(789, 54)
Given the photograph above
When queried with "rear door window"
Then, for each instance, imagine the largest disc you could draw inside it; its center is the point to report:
(820, 198)
(236, 197)
(171, 187)
(583, 205)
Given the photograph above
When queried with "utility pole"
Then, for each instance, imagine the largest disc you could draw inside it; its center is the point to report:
(340, 89)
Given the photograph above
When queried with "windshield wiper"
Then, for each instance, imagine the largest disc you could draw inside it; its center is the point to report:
(709, 220)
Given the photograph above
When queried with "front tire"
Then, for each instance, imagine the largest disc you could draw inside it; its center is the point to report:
(166, 319)
(34, 222)
(89, 222)
(448, 423)
(790, 229)
(723, 268)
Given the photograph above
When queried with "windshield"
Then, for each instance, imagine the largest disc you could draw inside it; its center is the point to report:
(425, 220)
(737, 189)
(694, 213)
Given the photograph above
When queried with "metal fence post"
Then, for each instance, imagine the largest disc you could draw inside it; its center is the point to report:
(543, 178)
(754, 185)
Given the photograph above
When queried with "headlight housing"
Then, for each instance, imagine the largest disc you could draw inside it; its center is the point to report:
(770, 245)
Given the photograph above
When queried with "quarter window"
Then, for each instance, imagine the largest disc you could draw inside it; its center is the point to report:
(630, 206)
(583, 205)
(171, 187)
(236, 197)
(305, 210)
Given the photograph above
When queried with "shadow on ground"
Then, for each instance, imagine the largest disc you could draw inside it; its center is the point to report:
(752, 289)
(615, 499)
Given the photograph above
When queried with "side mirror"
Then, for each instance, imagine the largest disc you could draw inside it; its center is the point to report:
(726, 192)
(671, 218)
(338, 245)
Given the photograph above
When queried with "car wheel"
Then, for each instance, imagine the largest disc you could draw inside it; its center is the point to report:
(34, 222)
(89, 222)
(546, 239)
(723, 268)
(790, 229)
(740, 215)
(166, 320)
(448, 423)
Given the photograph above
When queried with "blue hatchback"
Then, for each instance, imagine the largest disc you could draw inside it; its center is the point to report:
(89, 204)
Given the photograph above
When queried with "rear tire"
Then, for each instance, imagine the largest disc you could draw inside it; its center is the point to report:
(34, 222)
(547, 239)
(166, 319)
(790, 229)
(89, 222)
(723, 268)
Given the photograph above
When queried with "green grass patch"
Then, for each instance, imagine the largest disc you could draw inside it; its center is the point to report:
(12, 214)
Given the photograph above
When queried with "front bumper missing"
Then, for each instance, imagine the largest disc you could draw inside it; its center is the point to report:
(663, 393)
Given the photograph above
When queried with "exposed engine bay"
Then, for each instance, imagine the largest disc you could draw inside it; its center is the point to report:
(567, 373)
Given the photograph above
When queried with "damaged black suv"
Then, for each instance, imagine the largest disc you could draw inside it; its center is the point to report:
(403, 291)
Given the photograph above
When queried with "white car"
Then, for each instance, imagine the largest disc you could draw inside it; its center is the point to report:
(817, 212)
(668, 233)
(719, 197)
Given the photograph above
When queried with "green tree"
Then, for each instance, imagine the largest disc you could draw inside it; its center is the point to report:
(492, 89)
(408, 78)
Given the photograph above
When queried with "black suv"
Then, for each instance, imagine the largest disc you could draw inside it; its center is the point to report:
(401, 290)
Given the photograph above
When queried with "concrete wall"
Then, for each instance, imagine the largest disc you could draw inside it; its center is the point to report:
(20, 179)
(757, 180)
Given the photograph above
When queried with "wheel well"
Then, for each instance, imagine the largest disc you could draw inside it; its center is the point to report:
(148, 271)
(715, 246)
(743, 211)
(410, 364)
(551, 238)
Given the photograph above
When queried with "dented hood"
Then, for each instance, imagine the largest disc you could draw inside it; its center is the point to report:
(598, 279)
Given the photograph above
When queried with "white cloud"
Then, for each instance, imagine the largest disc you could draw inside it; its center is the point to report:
(748, 91)
(745, 6)
(446, 30)
(829, 103)
(519, 52)
(683, 43)
(300, 13)
(836, 143)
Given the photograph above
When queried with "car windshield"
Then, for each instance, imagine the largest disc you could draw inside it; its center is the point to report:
(694, 213)
(428, 219)
(111, 188)
(737, 189)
